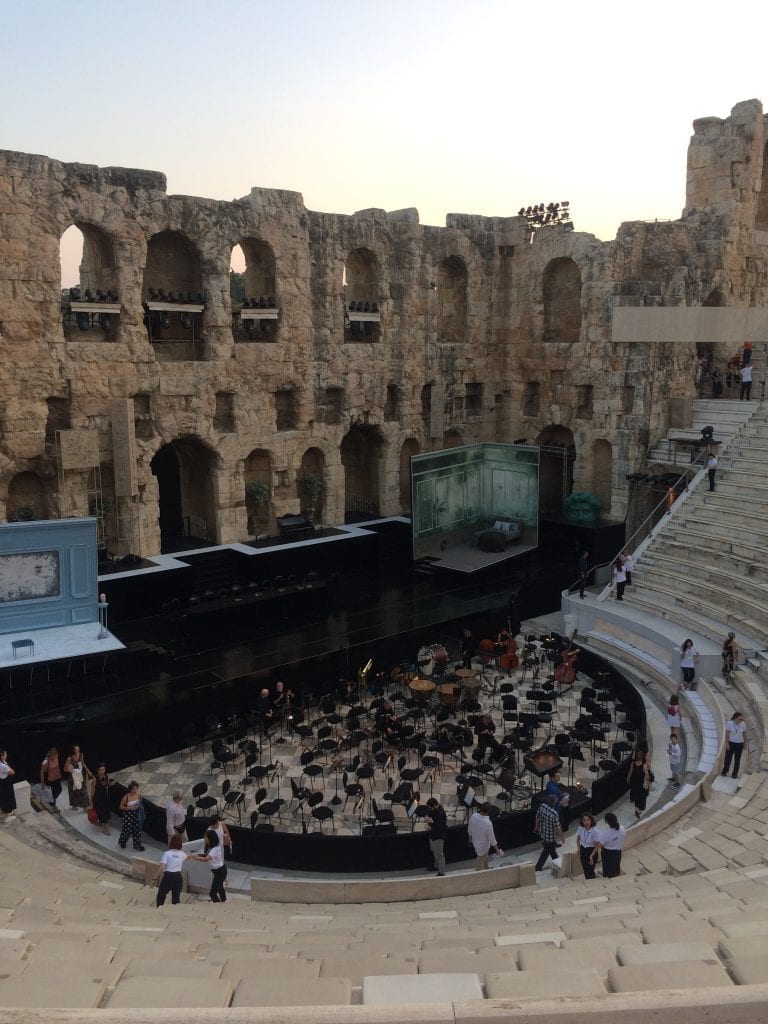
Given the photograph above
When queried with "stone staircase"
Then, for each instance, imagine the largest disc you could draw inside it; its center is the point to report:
(690, 912)
(727, 416)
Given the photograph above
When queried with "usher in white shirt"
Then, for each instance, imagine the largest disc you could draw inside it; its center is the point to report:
(481, 833)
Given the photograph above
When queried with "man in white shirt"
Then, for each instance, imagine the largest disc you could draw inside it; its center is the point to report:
(481, 836)
(175, 817)
(712, 469)
(746, 381)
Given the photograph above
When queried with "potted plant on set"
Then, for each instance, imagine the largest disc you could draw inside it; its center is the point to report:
(311, 484)
(257, 495)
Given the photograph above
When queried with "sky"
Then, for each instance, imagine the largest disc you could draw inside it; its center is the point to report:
(452, 107)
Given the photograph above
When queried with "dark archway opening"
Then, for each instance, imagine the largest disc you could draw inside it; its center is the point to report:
(360, 454)
(165, 466)
(556, 469)
(186, 503)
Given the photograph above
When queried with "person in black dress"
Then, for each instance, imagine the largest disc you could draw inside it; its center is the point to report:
(100, 799)
(639, 778)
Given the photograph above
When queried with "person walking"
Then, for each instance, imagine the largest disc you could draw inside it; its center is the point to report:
(639, 778)
(619, 578)
(675, 755)
(583, 573)
(175, 817)
(214, 857)
(610, 843)
(168, 877)
(674, 714)
(730, 655)
(100, 799)
(586, 838)
(50, 775)
(746, 382)
(129, 805)
(629, 566)
(482, 838)
(549, 830)
(688, 659)
(712, 469)
(735, 742)
(78, 773)
(7, 793)
(438, 831)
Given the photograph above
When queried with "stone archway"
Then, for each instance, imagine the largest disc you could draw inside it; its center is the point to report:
(409, 449)
(556, 469)
(27, 498)
(312, 469)
(602, 473)
(184, 470)
(360, 454)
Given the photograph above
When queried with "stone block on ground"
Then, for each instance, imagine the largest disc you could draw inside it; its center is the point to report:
(281, 992)
(421, 988)
(544, 984)
(659, 977)
(170, 993)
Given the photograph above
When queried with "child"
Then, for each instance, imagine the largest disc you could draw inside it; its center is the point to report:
(674, 718)
(675, 759)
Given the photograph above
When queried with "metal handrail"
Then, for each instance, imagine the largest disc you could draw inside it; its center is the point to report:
(628, 544)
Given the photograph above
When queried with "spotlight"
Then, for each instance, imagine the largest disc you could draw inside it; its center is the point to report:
(266, 326)
(262, 302)
(707, 433)
(367, 307)
(89, 295)
(112, 296)
(161, 295)
(171, 296)
(250, 326)
(186, 321)
(74, 294)
(374, 307)
(83, 321)
(153, 296)
(100, 295)
(271, 304)
(353, 307)
(200, 298)
(246, 303)
(190, 297)
(165, 320)
(105, 321)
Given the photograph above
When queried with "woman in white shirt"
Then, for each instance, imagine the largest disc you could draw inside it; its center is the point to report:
(610, 843)
(619, 578)
(688, 658)
(586, 838)
(168, 877)
(629, 565)
(735, 741)
(214, 856)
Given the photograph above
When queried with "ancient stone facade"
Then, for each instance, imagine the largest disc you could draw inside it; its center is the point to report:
(479, 333)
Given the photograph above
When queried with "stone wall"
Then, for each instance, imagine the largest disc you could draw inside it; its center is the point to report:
(484, 334)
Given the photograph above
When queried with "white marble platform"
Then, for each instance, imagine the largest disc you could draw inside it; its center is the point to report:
(56, 643)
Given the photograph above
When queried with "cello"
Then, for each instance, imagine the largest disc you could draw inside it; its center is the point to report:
(509, 659)
(565, 672)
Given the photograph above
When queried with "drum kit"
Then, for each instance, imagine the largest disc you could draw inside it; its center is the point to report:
(432, 660)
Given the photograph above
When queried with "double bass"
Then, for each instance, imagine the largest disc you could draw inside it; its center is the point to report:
(509, 659)
(565, 672)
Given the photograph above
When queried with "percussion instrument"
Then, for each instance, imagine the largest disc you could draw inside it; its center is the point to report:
(473, 684)
(421, 689)
(487, 646)
(433, 658)
(448, 694)
(465, 673)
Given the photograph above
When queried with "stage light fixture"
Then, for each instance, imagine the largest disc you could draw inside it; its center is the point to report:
(271, 304)
(186, 321)
(353, 307)
(165, 320)
(105, 321)
(89, 295)
(152, 294)
(112, 296)
(74, 294)
(100, 295)
(83, 321)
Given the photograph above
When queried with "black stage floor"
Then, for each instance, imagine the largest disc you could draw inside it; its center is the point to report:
(185, 663)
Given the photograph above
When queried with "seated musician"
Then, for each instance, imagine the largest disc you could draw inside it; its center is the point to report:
(264, 711)
(385, 722)
(484, 730)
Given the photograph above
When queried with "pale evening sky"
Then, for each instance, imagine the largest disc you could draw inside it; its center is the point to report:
(479, 107)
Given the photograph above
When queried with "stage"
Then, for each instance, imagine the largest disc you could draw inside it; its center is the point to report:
(55, 644)
(469, 558)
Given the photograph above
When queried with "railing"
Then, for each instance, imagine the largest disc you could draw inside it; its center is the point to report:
(645, 529)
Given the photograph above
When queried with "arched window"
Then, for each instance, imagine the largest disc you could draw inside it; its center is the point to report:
(362, 288)
(562, 301)
(89, 299)
(452, 300)
(253, 291)
(173, 297)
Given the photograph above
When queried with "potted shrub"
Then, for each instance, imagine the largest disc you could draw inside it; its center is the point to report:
(257, 495)
(311, 485)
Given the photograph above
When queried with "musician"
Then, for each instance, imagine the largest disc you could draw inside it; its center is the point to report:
(468, 647)
(502, 641)
(484, 730)
(264, 711)
(438, 831)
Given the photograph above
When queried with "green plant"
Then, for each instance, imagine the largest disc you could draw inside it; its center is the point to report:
(23, 514)
(311, 485)
(257, 493)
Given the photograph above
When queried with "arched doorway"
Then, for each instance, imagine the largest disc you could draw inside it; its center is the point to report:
(310, 483)
(258, 490)
(602, 473)
(556, 469)
(360, 454)
(184, 471)
(410, 448)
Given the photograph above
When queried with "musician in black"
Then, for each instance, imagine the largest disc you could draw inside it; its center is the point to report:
(438, 831)
(484, 730)
(264, 711)
(468, 647)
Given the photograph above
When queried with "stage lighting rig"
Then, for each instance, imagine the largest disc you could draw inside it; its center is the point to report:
(549, 215)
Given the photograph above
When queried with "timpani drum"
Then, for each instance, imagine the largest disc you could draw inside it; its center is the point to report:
(421, 689)
(433, 658)
(448, 694)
